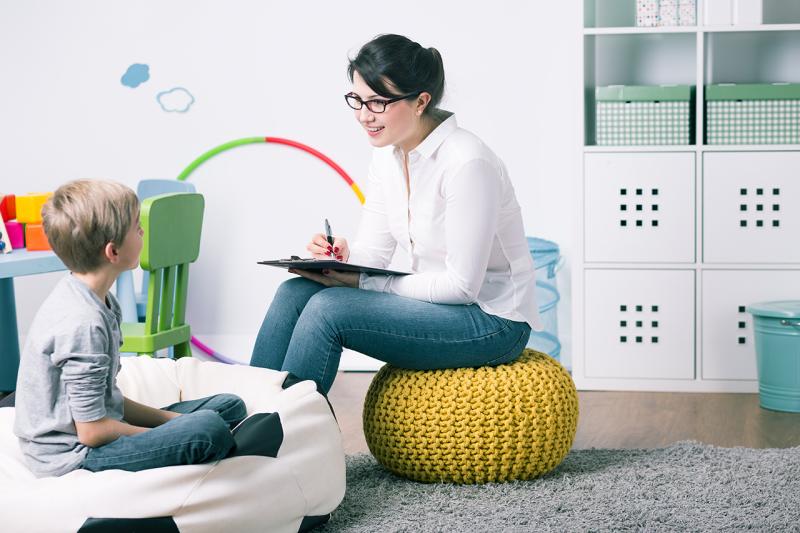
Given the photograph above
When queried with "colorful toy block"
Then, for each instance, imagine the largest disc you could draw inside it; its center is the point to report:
(29, 207)
(35, 237)
(8, 207)
(16, 234)
(5, 242)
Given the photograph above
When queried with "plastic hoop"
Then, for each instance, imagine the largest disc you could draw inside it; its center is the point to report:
(253, 140)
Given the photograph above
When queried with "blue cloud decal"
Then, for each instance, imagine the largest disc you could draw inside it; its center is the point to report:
(177, 100)
(137, 74)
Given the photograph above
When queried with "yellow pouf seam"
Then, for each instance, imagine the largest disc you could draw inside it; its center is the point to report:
(472, 425)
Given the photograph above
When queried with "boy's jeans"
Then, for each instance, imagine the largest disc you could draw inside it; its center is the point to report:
(307, 325)
(200, 435)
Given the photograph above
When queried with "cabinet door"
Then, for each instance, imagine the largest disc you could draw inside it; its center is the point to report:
(640, 207)
(639, 324)
(728, 345)
(751, 207)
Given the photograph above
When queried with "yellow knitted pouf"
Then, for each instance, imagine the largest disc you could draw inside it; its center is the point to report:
(472, 425)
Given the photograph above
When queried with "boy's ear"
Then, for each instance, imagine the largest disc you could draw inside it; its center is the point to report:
(110, 252)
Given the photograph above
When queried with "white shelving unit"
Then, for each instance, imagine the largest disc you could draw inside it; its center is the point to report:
(658, 302)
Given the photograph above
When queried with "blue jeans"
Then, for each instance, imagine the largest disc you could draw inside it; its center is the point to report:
(200, 435)
(307, 326)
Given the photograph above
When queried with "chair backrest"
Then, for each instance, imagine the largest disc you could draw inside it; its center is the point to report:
(172, 225)
(147, 188)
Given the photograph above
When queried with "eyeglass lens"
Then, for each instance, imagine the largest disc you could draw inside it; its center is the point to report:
(376, 106)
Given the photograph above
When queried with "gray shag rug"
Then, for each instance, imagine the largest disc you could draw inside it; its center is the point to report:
(685, 487)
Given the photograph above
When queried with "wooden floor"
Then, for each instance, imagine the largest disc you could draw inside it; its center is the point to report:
(625, 419)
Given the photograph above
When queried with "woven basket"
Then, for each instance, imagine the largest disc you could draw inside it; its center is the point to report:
(472, 425)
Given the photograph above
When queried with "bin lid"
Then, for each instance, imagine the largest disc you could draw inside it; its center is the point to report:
(644, 93)
(780, 309)
(753, 91)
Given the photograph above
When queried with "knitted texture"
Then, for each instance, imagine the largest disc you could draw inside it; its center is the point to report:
(472, 425)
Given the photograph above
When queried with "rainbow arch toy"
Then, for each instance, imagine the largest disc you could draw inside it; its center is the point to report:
(255, 140)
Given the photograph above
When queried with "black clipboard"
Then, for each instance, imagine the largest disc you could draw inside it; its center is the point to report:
(330, 264)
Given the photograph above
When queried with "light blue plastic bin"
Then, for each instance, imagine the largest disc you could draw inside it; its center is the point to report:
(547, 262)
(777, 333)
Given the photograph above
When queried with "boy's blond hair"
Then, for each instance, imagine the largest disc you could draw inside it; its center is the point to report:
(83, 216)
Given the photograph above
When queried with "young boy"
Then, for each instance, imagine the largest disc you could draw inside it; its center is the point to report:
(69, 411)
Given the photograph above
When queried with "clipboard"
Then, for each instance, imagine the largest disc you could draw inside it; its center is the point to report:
(329, 264)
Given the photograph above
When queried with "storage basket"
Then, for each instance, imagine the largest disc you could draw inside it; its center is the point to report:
(753, 113)
(629, 115)
(777, 333)
(547, 262)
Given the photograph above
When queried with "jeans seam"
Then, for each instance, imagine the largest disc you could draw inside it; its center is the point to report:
(133, 456)
(406, 336)
(327, 360)
(510, 351)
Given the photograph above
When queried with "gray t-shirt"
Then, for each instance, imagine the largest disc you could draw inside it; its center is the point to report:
(67, 373)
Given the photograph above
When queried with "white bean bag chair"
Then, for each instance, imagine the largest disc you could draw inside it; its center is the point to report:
(289, 480)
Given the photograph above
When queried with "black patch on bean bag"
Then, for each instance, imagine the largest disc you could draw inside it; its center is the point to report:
(292, 379)
(8, 401)
(158, 524)
(260, 434)
(310, 522)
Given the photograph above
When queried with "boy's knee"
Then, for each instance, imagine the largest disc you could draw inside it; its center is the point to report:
(232, 408)
(213, 434)
(229, 401)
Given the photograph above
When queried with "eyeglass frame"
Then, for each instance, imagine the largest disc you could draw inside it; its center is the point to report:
(384, 102)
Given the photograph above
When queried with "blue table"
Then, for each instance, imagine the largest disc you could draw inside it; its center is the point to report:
(17, 263)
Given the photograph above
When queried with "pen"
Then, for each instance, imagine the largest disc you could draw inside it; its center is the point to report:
(328, 235)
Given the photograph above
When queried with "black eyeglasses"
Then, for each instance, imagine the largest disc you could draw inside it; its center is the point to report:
(376, 106)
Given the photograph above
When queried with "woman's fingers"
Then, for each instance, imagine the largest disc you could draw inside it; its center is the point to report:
(345, 279)
(316, 276)
(340, 249)
(319, 247)
(329, 278)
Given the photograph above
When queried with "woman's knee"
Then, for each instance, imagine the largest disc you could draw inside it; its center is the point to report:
(328, 303)
(297, 288)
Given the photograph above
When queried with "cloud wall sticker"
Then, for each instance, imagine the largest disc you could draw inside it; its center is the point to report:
(137, 74)
(176, 100)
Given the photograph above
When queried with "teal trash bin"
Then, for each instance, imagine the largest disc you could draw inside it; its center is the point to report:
(547, 262)
(777, 333)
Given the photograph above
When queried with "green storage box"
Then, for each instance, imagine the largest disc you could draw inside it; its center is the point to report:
(777, 333)
(755, 113)
(629, 115)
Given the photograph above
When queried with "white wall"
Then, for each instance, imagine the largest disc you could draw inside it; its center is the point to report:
(278, 69)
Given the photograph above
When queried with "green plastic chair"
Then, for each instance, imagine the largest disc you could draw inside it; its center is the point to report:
(172, 224)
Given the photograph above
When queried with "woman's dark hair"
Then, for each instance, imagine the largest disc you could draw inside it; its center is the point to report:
(393, 65)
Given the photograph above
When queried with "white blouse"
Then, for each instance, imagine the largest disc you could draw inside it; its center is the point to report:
(460, 223)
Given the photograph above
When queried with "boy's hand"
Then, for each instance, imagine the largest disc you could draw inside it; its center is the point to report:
(103, 431)
(146, 416)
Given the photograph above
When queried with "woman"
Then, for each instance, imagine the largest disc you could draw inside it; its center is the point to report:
(439, 193)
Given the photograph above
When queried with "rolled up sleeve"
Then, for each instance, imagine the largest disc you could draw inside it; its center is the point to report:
(84, 363)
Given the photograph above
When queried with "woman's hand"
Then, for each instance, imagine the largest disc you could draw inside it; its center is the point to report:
(329, 278)
(321, 249)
